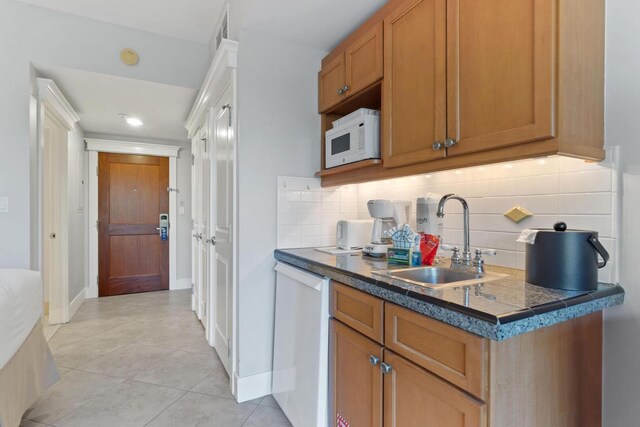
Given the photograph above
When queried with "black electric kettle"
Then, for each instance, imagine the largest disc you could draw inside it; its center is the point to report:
(565, 259)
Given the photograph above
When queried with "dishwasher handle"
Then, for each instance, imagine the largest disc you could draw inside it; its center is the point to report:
(304, 277)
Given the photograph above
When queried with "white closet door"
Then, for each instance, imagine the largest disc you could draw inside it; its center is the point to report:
(223, 155)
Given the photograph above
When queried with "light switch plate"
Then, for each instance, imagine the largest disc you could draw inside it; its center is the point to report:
(4, 204)
(518, 214)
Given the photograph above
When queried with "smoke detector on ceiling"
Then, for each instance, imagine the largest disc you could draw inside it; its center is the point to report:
(129, 56)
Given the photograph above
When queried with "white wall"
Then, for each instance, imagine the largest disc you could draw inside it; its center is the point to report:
(622, 324)
(278, 134)
(34, 35)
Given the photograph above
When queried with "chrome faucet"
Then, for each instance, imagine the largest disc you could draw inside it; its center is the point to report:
(465, 261)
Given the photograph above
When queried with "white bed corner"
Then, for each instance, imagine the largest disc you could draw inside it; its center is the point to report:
(27, 367)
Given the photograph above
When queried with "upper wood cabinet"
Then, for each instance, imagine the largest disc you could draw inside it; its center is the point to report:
(471, 82)
(414, 113)
(500, 73)
(351, 70)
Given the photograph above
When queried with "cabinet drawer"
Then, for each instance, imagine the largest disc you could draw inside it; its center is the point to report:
(457, 356)
(361, 311)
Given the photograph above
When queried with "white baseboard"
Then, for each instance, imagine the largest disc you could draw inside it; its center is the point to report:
(76, 303)
(252, 386)
(184, 283)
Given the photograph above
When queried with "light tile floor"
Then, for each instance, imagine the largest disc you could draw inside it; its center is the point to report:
(142, 359)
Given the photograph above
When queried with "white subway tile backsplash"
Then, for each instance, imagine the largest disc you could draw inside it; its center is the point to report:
(307, 208)
(593, 181)
(586, 203)
(600, 223)
(582, 194)
(311, 196)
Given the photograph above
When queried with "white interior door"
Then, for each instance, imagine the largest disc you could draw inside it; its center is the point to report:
(222, 156)
(205, 222)
(196, 240)
(54, 262)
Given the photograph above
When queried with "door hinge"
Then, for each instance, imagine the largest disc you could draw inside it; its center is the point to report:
(193, 159)
(97, 170)
(97, 280)
(192, 288)
(228, 349)
(205, 309)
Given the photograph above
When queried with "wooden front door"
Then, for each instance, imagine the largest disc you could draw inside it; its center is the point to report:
(132, 193)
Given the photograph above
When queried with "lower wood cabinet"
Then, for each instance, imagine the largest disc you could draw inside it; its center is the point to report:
(414, 397)
(355, 377)
(418, 371)
(361, 369)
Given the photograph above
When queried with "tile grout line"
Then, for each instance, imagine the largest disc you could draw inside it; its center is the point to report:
(168, 406)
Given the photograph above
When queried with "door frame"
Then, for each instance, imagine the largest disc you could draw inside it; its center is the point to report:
(52, 101)
(95, 146)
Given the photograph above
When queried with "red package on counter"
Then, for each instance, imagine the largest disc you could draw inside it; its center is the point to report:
(428, 248)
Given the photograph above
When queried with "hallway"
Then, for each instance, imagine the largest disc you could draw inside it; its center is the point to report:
(141, 359)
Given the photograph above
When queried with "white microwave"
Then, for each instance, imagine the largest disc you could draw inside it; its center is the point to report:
(354, 139)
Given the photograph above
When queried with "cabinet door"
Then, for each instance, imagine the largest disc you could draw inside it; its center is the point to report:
(363, 61)
(500, 72)
(414, 97)
(331, 82)
(356, 383)
(414, 397)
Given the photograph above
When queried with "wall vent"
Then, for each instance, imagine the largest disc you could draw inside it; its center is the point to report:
(223, 27)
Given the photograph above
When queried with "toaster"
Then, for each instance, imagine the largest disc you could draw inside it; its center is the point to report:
(353, 234)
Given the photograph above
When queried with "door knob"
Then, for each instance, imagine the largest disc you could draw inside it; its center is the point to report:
(374, 360)
(385, 368)
(212, 240)
(437, 146)
(340, 91)
(52, 235)
(448, 143)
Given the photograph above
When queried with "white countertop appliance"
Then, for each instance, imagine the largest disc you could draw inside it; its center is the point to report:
(300, 382)
(353, 234)
(386, 214)
(353, 138)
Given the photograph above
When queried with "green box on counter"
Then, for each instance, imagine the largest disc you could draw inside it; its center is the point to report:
(399, 256)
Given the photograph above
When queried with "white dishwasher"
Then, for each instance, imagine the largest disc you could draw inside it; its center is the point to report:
(301, 346)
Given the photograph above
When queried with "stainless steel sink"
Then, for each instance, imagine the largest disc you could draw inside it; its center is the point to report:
(436, 277)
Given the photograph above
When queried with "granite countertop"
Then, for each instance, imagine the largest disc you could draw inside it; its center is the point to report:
(497, 310)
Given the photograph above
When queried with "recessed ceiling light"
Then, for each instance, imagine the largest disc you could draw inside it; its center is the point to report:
(132, 121)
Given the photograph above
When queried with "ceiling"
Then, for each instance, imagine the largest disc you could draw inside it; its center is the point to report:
(99, 98)
(317, 24)
(192, 20)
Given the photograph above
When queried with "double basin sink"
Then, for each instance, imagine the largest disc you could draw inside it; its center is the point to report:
(439, 277)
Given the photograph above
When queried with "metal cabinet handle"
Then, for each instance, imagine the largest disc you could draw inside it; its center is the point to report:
(212, 240)
(343, 90)
(448, 143)
(437, 146)
(374, 360)
(197, 236)
(385, 368)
